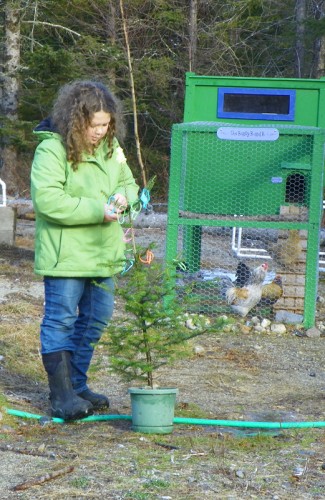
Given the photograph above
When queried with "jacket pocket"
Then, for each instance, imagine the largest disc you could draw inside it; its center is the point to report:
(47, 246)
(79, 248)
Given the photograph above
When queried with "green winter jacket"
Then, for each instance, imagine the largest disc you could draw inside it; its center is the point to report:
(71, 238)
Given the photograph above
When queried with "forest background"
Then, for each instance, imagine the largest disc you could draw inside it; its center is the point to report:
(142, 50)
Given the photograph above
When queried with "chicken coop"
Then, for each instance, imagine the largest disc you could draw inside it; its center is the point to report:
(245, 200)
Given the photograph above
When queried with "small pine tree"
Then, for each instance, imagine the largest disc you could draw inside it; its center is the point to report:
(153, 330)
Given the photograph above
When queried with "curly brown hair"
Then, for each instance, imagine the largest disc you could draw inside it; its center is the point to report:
(73, 111)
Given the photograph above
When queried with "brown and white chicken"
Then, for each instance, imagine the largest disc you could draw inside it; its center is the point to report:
(243, 299)
(272, 292)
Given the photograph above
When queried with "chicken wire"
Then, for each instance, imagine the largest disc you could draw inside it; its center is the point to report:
(240, 197)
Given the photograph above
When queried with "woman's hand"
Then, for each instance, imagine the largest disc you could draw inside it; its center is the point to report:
(117, 204)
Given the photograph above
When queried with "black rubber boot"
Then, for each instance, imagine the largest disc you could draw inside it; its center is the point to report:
(65, 403)
(97, 400)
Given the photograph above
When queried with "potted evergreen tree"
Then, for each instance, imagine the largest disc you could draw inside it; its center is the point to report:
(151, 333)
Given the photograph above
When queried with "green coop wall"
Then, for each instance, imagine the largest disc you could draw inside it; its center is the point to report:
(212, 170)
(201, 98)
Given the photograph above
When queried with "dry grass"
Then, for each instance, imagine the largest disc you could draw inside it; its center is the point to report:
(20, 309)
(21, 347)
(25, 269)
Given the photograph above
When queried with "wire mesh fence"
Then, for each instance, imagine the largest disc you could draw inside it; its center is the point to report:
(244, 211)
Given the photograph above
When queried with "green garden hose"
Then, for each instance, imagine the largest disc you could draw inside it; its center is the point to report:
(178, 420)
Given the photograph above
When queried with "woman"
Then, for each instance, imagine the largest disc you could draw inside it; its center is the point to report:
(80, 182)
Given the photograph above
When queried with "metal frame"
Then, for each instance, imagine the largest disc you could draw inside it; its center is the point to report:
(321, 261)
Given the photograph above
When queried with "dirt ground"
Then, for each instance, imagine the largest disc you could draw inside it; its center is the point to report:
(232, 375)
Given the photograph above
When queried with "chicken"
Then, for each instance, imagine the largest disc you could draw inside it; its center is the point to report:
(271, 292)
(243, 274)
(243, 299)
(242, 277)
(288, 250)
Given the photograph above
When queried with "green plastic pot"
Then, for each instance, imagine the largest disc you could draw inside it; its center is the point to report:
(153, 409)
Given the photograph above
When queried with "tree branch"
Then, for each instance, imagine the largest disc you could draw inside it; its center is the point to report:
(42, 479)
(44, 23)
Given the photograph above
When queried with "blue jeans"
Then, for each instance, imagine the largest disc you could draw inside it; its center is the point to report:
(77, 311)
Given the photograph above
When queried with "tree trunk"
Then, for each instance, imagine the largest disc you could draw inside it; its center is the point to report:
(300, 38)
(134, 101)
(193, 35)
(318, 67)
(112, 39)
(9, 102)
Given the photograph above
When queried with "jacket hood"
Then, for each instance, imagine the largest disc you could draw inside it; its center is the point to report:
(45, 129)
(45, 125)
